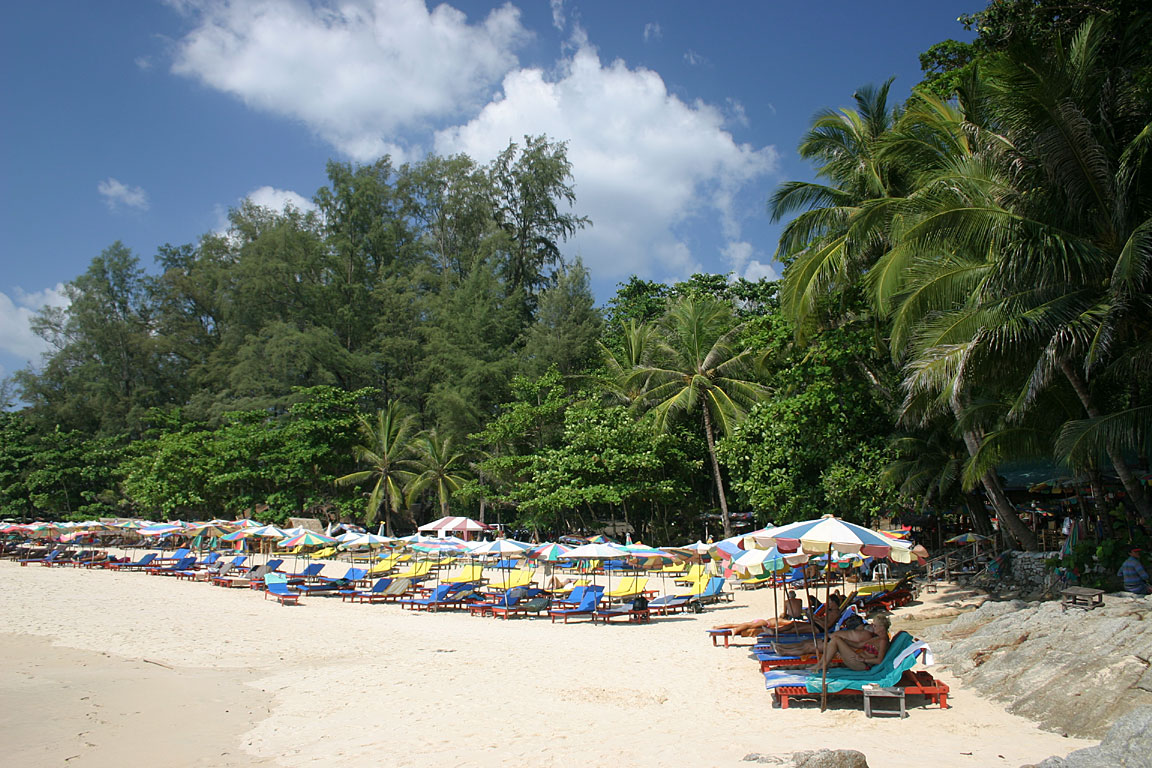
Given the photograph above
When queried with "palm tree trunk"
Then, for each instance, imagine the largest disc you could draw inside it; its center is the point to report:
(716, 473)
(1128, 479)
(1010, 522)
(974, 502)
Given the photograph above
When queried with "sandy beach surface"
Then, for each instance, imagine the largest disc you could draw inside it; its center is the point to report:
(125, 669)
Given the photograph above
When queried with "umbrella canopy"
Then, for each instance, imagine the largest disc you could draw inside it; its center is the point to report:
(504, 547)
(211, 529)
(160, 529)
(307, 539)
(966, 538)
(828, 532)
(270, 532)
(597, 552)
(364, 540)
(550, 552)
(759, 561)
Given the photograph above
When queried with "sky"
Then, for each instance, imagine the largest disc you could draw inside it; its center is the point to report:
(145, 121)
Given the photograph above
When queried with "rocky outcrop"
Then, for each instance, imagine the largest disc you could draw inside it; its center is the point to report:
(819, 758)
(1075, 672)
(1127, 745)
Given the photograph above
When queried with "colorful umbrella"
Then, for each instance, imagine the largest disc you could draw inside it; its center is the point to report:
(966, 538)
(307, 539)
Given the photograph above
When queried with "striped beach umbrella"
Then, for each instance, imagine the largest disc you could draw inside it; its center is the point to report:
(550, 552)
(307, 539)
(966, 538)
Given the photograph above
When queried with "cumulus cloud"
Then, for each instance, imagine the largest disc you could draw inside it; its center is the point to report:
(118, 195)
(740, 258)
(16, 337)
(644, 161)
(279, 199)
(358, 72)
(652, 31)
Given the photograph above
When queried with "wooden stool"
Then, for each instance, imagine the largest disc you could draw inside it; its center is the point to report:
(877, 692)
(1081, 597)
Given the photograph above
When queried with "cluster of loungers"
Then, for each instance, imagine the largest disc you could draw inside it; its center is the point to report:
(468, 592)
(785, 678)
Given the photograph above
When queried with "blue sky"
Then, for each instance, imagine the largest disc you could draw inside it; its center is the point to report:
(146, 121)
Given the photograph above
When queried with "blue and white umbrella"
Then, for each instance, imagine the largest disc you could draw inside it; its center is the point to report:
(817, 537)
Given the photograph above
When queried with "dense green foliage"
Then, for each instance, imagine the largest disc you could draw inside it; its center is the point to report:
(966, 284)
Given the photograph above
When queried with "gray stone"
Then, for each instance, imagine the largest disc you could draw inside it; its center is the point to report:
(1127, 745)
(1074, 672)
(820, 758)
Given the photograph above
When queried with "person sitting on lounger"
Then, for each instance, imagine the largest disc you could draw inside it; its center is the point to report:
(858, 649)
(852, 637)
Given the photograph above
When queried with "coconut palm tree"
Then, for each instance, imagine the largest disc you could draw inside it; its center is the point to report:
(387, 450)
(438, 466)
(692, 365)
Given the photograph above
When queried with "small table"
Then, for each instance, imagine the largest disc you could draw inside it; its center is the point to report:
(872, 692)
(1081, 597)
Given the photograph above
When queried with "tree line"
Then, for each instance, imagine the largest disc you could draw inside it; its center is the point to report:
(966, 285)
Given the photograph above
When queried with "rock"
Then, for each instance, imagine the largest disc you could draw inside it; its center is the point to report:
(1074, 671)
(820, 758)
(1127, 745)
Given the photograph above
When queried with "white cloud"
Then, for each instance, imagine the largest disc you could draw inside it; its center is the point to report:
(16, 337)
(118, 195)
(278, 199)
(694, 59)
(652, 31)
(558, 20)
(644, 161)
(356, 73)
(740, 257)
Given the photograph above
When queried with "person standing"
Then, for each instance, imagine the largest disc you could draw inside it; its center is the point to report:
(1133, 574)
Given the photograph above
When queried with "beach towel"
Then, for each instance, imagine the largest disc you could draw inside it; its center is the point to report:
(885, 674)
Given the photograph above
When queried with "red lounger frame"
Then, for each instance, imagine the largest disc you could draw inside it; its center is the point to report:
(913, 683)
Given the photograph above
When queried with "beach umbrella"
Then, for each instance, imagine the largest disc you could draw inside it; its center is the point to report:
(307, 539)
(966, 538)
(598, 551)
(501, 548)
(550, 552)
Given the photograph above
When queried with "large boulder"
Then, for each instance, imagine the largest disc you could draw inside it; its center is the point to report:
(819, 758)
(1127, 745)
(1074, 671)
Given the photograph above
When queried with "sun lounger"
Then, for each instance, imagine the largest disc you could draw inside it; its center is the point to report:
(173, 569)
(639, 616)
(666, 604)
(577, 595)
(587, 607)
(378, 591)
(533, 605)
(471, 574)
(894, 670)
(47, 559)
(143, 562)
(629, 588)
(310, 573)
(443, 596)
(521, 577)
(711, 592)
(280, 590)
(417, 572)
(324, 584)
(175, 557)
(508, 599)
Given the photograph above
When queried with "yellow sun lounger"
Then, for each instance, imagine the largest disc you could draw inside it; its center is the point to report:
(468, 575)
(521, 577)
(417, 571)
(629, 586)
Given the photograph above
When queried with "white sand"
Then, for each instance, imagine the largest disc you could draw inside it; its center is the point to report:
(246, 681)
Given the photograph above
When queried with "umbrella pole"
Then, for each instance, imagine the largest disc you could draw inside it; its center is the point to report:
(776, 611)
(824, 666)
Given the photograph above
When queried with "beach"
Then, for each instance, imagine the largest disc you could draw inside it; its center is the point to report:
(107, 669)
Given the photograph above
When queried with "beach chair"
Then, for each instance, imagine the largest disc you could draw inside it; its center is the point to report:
(576, 596)
(399, 588)
(586, 607)
(175, 557)
(417, 572)
(323, 584)
(276, 585)
(710, 591)
(143, 562)
(384, 565)
(173, 569)
(47, 559)
(521, 577)
(323, 554)
(376, 592)
(470, 574)
(508, 599)
(310, 573)
(666, 604)
(442, 596)
(893, 671)
(695, 573)
(535, 605)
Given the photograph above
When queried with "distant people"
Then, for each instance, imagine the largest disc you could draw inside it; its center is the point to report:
(793, 609)
(1132, 573)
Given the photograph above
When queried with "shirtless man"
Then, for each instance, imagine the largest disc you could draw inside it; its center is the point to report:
(793, 609)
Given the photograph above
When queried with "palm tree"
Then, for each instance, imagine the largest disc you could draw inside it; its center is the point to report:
(692, 364)
(834, 240)
(438, 466)
(386, 450)
(1037, 247)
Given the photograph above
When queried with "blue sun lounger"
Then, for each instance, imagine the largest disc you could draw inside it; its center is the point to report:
(277, 586)
(586, 607)
(143, 562)
(311, 572)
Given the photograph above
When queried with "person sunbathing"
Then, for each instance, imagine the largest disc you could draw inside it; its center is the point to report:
(793, 609)
(857, 636)
(858, 649)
